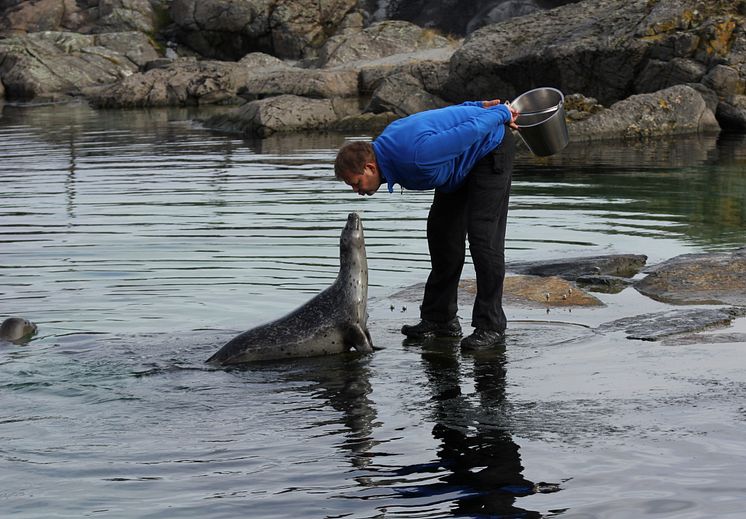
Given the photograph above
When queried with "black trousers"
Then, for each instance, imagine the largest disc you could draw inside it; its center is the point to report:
(479, 210)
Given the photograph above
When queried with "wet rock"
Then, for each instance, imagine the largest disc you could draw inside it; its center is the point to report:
(605, 284)
(365, 122)
(537, 291)
(676, 110)
(50, 64)
(226, 29)
(656, 326)
(378, 41)
(703, 338)
(402, 94)
(525, 291)
(624, 265)
(264, 117)
(709, 278)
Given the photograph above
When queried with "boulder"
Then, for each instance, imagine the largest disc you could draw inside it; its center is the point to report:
(91, 16)
(47, 64)
(377, 41)
(659, 325)
(623, 265)
(708, 278)
(181, 82)
(676, 110)
(600, 48)
(731, 113)
(402, 95)
(429, 66)
(264, 117)
(228, 29)
(316, 83)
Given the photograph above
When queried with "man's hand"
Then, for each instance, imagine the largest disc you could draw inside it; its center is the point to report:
(513, 113)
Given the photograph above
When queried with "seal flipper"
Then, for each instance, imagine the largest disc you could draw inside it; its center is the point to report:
(358, 338)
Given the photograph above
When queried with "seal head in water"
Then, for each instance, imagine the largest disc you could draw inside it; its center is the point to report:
(16, 329)
(334, 321)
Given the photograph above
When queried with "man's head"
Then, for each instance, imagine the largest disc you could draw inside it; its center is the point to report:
(356, 166)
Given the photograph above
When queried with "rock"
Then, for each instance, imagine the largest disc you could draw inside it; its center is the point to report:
(674, 111)
(731, 113)
(283, 113)
(624, 265)
(377, 41)
(600, 48)
(708, 278)
(605, 284)
(724, 80)
(654, 327)
(429, 66)
(524, 291)
(97, 16)
(317, 83)
(182, 82)
(657, 75)
(364, 122)
(227, 29)
(402, 94)
(703, 338)
(45, 64)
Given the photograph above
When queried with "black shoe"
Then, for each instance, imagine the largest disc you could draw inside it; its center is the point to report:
(482, 338)
(427, 328)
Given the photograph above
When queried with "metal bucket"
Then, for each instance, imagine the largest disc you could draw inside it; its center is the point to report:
(541, 120)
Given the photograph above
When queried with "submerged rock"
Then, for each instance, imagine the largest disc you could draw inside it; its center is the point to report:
(623, 265)
(709, 278)
(605, 284)
(654, 327)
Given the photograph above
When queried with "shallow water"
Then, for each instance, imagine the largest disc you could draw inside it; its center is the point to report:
(139, 243)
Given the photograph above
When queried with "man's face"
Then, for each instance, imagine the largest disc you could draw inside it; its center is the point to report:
(365, 183)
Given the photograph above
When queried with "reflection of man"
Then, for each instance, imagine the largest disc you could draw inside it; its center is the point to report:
(465, 153)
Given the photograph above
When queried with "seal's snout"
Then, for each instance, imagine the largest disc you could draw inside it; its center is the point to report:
(353, 221)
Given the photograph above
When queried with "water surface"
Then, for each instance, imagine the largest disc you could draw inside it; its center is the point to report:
(140, 242)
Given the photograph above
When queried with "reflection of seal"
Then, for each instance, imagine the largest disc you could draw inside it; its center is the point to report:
(16, 328)
(332, 322)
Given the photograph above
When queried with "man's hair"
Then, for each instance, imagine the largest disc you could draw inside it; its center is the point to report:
(352, 158)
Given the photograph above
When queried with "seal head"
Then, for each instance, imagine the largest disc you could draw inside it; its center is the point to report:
(17, 329)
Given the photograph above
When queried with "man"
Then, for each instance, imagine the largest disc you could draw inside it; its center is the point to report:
(465, 153)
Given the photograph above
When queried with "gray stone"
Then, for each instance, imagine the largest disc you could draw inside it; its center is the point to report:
(283, 113)
(377, 41)
(429, 66)
(45, 64)
(317, 83)
(605, 284)
(707, 278)
(674, 111)
(657, 75)
(402, 94)
(656, 326)
(624, 265)
(724, 80)
(227, 29)
(731, 113)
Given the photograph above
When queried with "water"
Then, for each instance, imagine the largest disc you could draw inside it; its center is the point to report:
(139, 243)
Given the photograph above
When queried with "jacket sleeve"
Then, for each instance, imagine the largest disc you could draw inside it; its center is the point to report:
(436, 148)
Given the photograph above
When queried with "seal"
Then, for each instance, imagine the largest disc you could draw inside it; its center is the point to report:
(16, 328)
(332, 322)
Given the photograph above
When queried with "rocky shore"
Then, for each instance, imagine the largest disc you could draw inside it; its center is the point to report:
(629, 70)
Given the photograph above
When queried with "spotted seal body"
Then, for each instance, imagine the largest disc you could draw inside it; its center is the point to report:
(16, 328)
(332, 322)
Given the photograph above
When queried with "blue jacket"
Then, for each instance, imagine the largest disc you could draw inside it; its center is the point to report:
(438, 148)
